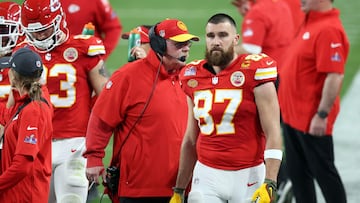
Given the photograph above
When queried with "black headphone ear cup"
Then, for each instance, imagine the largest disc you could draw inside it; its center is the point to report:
(157, 43)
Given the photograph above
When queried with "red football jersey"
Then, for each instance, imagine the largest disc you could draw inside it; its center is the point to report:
(231, 136)
(4, 78)
(66, 68)
(107, 24)
(4, 85)
(269, 24)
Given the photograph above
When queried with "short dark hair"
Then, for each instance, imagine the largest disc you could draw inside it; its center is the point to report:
(220, 18)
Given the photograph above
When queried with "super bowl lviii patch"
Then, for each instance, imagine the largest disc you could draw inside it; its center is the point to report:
(31, 139)
(190, 71)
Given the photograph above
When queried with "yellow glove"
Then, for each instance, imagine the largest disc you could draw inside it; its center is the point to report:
(266, 193)
(178, 196)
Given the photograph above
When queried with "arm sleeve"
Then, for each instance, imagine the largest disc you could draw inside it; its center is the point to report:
(19, 169)
(332, 50)
(97, 138)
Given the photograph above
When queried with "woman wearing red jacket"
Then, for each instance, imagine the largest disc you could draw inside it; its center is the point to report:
(26, 153)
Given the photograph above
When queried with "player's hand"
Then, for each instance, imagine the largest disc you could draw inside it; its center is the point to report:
(266, 193)
(178, 196)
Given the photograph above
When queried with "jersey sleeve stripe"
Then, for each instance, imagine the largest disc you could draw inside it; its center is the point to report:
(265, 73)
(96, 50)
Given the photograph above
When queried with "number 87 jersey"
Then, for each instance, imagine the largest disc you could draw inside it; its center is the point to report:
(231, 137)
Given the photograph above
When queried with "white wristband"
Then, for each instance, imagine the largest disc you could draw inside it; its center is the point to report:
(273, 154)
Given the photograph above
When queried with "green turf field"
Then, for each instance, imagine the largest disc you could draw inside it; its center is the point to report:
(195, 14)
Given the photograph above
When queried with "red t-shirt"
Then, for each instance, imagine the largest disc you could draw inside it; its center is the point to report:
(321, 47)
(231, 137)
(297, 14)
(107, 24)
(268, 24)
(27, 135)
(67, 67)
(150, 156)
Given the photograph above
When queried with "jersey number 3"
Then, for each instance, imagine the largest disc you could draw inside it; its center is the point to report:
(67, 85)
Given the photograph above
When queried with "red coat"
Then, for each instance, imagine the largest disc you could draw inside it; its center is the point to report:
(26, 153)
(150, 156)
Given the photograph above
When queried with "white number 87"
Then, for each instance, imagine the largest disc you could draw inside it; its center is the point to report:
(226, 126)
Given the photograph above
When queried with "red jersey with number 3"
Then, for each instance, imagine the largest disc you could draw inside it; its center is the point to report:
(231, 137)
(67, 70)
(4, 85)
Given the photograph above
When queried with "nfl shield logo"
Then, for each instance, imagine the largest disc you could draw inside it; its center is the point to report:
(215, 80)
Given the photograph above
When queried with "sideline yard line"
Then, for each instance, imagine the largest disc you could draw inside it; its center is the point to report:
(347, 141)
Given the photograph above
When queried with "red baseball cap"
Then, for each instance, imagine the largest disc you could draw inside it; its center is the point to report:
(144, 33)
(175, 30)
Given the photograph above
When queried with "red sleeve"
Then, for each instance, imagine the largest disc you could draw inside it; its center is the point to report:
(30, 142)
(109, 26)
(97, 138)
(332, 50)
(253, 29)
(19, 169)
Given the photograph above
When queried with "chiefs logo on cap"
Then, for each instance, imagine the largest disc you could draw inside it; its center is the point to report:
(181, 26)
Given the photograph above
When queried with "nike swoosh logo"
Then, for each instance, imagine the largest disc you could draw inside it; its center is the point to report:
(251, 184)
(98, 41)
(73, 150)
(334, 45)
(269, 62)
(31, 128)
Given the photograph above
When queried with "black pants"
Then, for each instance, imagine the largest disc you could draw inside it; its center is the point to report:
(308, 158)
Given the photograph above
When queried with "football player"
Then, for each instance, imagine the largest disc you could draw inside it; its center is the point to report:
(107, 23)
(9, 36)
(10, 33)
(74, 68)
(233, 123)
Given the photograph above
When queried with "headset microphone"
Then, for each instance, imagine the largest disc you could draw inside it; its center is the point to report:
(182, 58)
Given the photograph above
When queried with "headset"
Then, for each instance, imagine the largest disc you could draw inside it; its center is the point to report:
(157, 43)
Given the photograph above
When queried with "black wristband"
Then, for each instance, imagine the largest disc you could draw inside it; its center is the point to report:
(271, 183)
(322, 114)
(178, 190)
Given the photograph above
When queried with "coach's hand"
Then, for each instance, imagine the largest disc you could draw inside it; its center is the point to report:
(93, 173)
(178, 196)
(266, 193)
